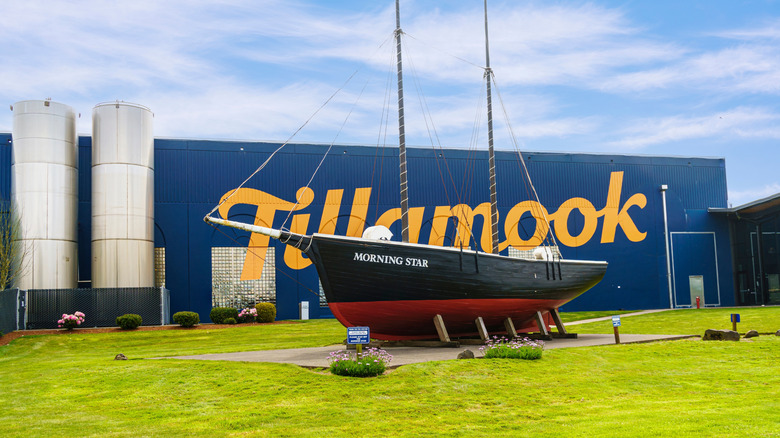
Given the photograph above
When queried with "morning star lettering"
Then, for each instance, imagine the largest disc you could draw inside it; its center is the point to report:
(610, 217)
(390, 260)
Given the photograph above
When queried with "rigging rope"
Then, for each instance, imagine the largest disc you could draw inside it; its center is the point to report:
(433, 135)
(283, 144)
(290, 138)
(249, 249)
(384, 123)
(446, 53)
(525, 168)
(325, 155)
(466, 183)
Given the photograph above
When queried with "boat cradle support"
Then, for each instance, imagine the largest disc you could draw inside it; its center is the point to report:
(509, 326)
(441, 329)
(546, 334)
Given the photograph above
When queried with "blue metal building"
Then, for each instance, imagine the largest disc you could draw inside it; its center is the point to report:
(603, 207)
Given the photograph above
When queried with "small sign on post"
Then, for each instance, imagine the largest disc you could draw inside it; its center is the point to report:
(734, 321)
(358, 336)
(615, 325)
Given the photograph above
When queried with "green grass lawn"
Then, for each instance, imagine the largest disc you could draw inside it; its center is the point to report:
(70, 384)
(578, 316)
(688, 321)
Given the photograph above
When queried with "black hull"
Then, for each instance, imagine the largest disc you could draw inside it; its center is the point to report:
(397, 288)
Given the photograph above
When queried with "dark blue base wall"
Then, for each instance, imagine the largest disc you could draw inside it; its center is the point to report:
(616, 212)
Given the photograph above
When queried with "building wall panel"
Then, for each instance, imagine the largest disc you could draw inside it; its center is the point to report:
(192, 175)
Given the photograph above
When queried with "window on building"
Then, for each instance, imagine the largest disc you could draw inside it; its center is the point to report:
(227, 288)
(159, 267)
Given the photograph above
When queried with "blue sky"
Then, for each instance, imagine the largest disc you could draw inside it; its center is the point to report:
(681, 78)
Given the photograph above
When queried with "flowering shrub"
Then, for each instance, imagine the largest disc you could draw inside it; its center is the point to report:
(247, 315)
(69, 322)
(370, 363)
(515, 349)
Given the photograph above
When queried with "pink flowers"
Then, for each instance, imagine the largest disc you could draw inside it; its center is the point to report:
(247, 315)
(69, 322)
(248, 311)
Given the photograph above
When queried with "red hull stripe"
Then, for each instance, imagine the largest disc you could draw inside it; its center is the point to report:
(405, 320)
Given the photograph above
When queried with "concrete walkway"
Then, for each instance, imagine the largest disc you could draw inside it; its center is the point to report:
(318, 357)
(622, 315)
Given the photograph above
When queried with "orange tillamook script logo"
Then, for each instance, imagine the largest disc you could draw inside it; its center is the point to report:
(613, 215)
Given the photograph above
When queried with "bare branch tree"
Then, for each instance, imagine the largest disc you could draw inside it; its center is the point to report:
(13, 252)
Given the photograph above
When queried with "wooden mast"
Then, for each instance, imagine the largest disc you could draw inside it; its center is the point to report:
(401, 130)
(491, 154)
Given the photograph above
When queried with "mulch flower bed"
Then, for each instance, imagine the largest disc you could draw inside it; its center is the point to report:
(8, 337)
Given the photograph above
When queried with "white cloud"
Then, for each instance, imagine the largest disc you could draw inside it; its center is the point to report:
(740, 122)
(242, 69)
(741, 197)
(768, 31)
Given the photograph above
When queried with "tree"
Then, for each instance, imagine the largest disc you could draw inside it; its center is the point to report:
(12, 249)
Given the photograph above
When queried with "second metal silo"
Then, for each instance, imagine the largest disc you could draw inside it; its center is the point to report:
(122, 196)
(44, 193)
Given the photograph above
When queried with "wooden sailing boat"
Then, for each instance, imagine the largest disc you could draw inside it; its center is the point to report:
(398, 289)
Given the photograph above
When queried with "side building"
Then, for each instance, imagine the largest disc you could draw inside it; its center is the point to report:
(601, 207)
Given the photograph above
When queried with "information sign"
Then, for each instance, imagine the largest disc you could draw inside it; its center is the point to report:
(734, 321)
(358, 335)
(615, 325)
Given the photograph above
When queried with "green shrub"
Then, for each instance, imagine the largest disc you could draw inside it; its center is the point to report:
(229, 321)
(186, 319)
(266, 312)
(129, 321)
(516, 349)
(369, 364)
(218, 315)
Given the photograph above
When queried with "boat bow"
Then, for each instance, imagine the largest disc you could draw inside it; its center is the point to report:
(300, 241)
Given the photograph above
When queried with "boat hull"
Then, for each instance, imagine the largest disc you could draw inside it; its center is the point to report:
(397, 289)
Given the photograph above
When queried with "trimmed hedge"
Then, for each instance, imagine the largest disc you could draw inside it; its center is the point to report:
(230, 321)
(219, 315)
(129, 321)
(266, 312)
(186, 319)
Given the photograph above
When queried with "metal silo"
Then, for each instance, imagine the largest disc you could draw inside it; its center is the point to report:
(44, 190)
(122, 196)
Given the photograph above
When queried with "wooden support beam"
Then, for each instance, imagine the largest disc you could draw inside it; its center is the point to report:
(541, 324)
(558, 322)
(483, 334)
(441, 329)
(510, 328)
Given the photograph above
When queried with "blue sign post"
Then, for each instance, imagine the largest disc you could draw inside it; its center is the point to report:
(734, 321)
(358, 336)
(615, 325)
